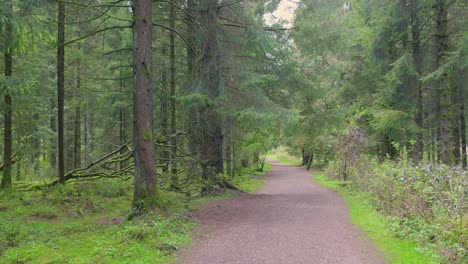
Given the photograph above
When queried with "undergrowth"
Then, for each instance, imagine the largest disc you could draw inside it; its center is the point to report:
(86, 222)
(248, 179)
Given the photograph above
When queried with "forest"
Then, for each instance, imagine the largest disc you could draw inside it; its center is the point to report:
(120, 117)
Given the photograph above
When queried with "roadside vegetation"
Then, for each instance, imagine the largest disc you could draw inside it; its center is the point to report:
(413, 213)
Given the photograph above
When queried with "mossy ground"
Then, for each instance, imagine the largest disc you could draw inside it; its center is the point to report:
(86, 222)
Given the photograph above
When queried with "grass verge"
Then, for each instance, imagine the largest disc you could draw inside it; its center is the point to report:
(248, 180)
(377, 227)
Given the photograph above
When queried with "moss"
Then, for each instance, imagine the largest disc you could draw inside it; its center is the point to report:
(148, 135)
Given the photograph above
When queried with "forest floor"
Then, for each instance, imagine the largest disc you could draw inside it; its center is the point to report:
(290, 219)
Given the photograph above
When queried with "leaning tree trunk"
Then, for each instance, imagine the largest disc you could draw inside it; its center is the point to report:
(61, 89)
(145, 192)
(7, 138)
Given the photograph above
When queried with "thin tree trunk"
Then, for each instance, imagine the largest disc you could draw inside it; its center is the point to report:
(7, 139)
(37, 145)
(172, 17)
(7, 121)
(311, 160)
(145, 191)
(61, 89)
(53, 138)
(77, 123)
(122, 118)
(456, 147)
(164, 114)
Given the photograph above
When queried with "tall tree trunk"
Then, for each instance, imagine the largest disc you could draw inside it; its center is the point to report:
(415, 83)
(61, 89)
(212, 143)
(77, 123)
(172, 17)
(164, 114)
(145, 192)
(7, 139)
(122, 118)
(444, 113)
(192, 118)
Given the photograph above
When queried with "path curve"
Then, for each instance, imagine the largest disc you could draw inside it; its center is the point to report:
(291, 220)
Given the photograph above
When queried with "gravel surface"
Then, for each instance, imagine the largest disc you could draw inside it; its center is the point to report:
(290, 220)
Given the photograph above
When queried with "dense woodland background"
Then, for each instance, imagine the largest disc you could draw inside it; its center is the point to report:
(375, 90)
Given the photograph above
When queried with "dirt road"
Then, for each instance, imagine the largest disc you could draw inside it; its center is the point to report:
(291, 220)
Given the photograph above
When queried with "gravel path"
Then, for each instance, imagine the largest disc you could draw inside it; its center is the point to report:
(291, 220)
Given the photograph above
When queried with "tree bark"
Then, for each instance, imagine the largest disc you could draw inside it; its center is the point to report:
(122, 118)
(53, 138)
(212, 142)
(455, 123)
(444, 113)
(77, 123)
(7, 120)
(6, 178)
(415, 83)
(164, 114)
(172, 17)
(145, 180)
(61, 89)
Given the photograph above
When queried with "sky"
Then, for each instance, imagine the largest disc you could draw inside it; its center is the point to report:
(285, 11)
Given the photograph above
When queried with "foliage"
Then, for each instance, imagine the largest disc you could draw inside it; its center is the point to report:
(427, 202)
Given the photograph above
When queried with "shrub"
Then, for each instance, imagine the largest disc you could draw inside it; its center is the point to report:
(427, 202)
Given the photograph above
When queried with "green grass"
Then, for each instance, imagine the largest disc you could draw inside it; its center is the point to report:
(86, 223)
(248, 181)
(282, 155)
(377, 227)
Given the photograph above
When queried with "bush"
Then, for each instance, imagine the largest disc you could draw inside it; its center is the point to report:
(427, 202)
